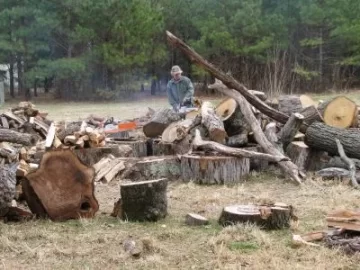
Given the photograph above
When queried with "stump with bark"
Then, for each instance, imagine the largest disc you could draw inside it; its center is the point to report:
(272, 217)
(160, 148)
(62, 188)
(214, 169)
(144, 201)
(139, 148)
(159, 122)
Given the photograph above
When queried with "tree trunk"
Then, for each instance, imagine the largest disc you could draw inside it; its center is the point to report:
(12, 136)
(268, 217)
(35, 87)
(213, 123)
(70, 184)
(20, 76)
(214, 169)
(156, 126)
(11, 72)
(322, 137)
(144, 201)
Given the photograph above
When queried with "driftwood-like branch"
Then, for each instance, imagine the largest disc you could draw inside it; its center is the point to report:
(228, 80)
(288, 132)
(349, 162)
(237, 152)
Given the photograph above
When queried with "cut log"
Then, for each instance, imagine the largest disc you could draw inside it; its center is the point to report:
(322, 137)
(290, 104)
(214, 169)
(4, 122)
(144, 201)
(154, 168)
(156, 126)
(176, 131)
(271, 134)
(160, 148)
(50, 136)
(345, 219)
(115, 169)
(349, 162)
(121, 135)
(267, 217)
(311, 114)
(213, 123)
(333, 172)
(288, 132)
(139, 148)
(299, 153)
(7, 186)
(62, 186)
(70, 129)
(238, 140)
(226, 108)
(198, 142)
(193, 219)
(287, 166)
(7, 135)
(9, 152)
(339, 112)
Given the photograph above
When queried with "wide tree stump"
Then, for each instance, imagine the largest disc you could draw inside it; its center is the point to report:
(339, 112)
(62, 188)
(144, 201)
(154, 168)
(322, 137)
(273, 217)
(289, 104)
(214, 169)
(159, 122)
(160, 148)
(139, 148)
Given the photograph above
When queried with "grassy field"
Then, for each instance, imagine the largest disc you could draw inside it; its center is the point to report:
(169, 244)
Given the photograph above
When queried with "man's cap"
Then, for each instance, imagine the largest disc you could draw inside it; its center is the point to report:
(176, 69)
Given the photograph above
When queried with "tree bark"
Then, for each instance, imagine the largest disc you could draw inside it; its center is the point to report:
(213, 123)
(288, 132)
(322, 137)
(156, 126)
(144, 201)
(12, 136)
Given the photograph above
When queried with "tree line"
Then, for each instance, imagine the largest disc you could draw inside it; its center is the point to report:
(86, 49)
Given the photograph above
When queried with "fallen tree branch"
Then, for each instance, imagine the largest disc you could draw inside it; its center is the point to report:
(349, 162)
(228, 80)
(237, 152)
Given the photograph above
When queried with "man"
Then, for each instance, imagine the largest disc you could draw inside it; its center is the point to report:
(180, 90)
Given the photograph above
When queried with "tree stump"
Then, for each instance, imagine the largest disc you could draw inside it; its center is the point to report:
(339, 112)
(144, 201)
(156, 126)
(193, 219)
(273, 217)
(322, 137)
(154, 168)
(289, 104)
(62, 188)
(139, 148)
(214, 168)
(299, 153)
(160, 148)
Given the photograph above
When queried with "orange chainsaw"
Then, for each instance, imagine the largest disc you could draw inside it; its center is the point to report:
(123, 127)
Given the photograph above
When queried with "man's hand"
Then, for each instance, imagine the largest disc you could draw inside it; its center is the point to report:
(187, 102)
(176, 108)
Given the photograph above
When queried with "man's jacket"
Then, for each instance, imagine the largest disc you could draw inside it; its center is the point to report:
(180, 91)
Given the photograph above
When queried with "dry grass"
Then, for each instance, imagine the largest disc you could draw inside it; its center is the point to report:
(169, 244)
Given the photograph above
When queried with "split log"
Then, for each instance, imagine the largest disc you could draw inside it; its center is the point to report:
(176, 131)
(268, 217)
(349, 162)
(228, 80)
(109, 170)
(213, 123)
(287, 166)
(4, 122)
(154, 168)
(102, 163)
(50, 136)
(159, 122)
(198, 142)
(193, 219)
(290, 104)
(144, 201)
(139, 148)
(271, 134)
(322, 137)
(7, 135)
(62, 188)
(345, 219)
(339, 112)
(288, 132)
(214, 169)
